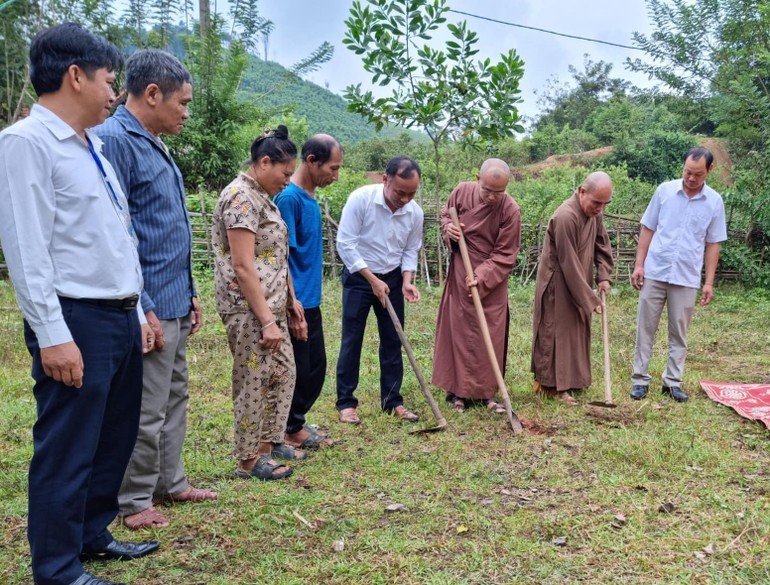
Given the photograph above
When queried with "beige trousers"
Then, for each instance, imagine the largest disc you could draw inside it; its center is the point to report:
(263, 384)
(681, 306)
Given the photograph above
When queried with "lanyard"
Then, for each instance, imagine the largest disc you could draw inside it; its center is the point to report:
(121, 211)
(99, 164)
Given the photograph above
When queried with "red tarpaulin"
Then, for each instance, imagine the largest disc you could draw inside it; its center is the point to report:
(751, 401)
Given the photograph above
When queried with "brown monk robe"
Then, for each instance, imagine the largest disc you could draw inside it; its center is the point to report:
(491, 222)
(575, 245)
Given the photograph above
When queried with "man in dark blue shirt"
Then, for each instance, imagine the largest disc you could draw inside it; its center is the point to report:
(159, 90)
(321, 162)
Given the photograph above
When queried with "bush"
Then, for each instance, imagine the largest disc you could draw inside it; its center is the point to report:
(654, 156)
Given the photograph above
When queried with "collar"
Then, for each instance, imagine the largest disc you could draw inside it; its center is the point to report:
(250, 182)
(379, 199)
(132, 125)
(700, 194)
(58, 127)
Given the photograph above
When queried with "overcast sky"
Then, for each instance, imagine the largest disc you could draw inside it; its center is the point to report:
(302, 25)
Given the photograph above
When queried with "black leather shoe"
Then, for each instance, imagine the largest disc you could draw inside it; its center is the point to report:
(638, 392)
(675, 392)
(122, 551)
(89, 579)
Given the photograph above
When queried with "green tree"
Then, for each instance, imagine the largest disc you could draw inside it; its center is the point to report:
(447, 93)
(571, 105)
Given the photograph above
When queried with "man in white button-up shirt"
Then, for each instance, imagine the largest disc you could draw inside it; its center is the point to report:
(68, 240)
(684, 221)
(379, 236)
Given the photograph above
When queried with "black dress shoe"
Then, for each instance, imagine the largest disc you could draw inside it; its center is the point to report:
(638, 391)
(89, 579)
(122, 551)
(675, 392)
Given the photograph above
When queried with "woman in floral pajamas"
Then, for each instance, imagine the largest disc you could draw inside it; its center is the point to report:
(256, 302)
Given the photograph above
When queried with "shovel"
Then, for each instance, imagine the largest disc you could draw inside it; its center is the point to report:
(512, 418)
(440, 420)
(607, 403)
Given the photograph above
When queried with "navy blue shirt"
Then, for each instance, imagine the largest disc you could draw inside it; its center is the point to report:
(302, 216)
(156, 198)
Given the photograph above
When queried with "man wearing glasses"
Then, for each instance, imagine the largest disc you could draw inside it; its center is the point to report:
(491, 224)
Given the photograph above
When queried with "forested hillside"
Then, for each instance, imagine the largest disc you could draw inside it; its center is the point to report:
(275, 86)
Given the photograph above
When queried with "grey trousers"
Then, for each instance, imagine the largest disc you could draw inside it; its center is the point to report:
(681, 306)
(156, 463)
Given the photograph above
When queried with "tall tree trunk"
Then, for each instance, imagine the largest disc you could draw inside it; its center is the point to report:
(205, 14)
(439, 254)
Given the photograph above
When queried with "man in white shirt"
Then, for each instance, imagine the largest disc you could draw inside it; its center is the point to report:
(70, 248)
(684, 220)
(379, 236)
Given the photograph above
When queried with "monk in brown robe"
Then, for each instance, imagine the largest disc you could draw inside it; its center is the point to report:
(491, 223)
(575, 245)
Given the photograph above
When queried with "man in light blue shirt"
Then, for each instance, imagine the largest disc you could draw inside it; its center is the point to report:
(69, 243)
(159, 90)
(684, 221)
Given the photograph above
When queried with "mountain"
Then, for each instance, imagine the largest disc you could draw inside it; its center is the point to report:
(325, 111)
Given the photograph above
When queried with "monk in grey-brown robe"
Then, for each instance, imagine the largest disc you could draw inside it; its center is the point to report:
(492, 231)
(576, 252)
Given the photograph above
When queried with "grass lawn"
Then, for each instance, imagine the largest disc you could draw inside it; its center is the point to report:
(576, 499)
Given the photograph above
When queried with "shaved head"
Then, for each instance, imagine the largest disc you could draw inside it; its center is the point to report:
(595, 193)
(597, 180)
(495, 169)
(493, 180)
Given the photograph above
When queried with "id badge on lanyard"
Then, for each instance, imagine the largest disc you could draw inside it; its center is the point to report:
(122, 212)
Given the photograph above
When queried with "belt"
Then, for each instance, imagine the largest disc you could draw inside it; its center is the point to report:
(384, 274)
(126, 304)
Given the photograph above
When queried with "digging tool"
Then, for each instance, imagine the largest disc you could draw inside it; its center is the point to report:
(512, 418)
(607, 403)
(440, 420)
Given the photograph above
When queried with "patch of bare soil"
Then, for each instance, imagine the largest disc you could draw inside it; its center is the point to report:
(558, 160)
(611, 416)
(537, 427)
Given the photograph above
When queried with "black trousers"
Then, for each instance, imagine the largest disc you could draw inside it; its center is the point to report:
(310, 360)
(357, 299)
(83, 439)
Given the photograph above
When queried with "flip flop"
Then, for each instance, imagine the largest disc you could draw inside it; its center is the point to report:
(263, 469)
(495, 407)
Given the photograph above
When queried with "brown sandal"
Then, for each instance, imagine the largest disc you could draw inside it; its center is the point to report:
(495, 407)
(458, 404)
(149, 518)
(194, 495)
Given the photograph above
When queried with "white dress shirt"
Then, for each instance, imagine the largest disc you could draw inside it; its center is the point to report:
(683, 226)
(372, 236)
(62, 232)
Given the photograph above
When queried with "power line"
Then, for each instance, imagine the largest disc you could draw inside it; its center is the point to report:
(550, 32)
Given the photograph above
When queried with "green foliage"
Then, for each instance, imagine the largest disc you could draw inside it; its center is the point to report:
(654, 156)
(565, 105)
(279, 90)
(550, 139)
(337, 193)
(374, 153)
(445, 92)
(718, 52)
(205, 152)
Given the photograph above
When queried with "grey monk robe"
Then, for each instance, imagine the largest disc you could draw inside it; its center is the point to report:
(493, 234)
(574, 246)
